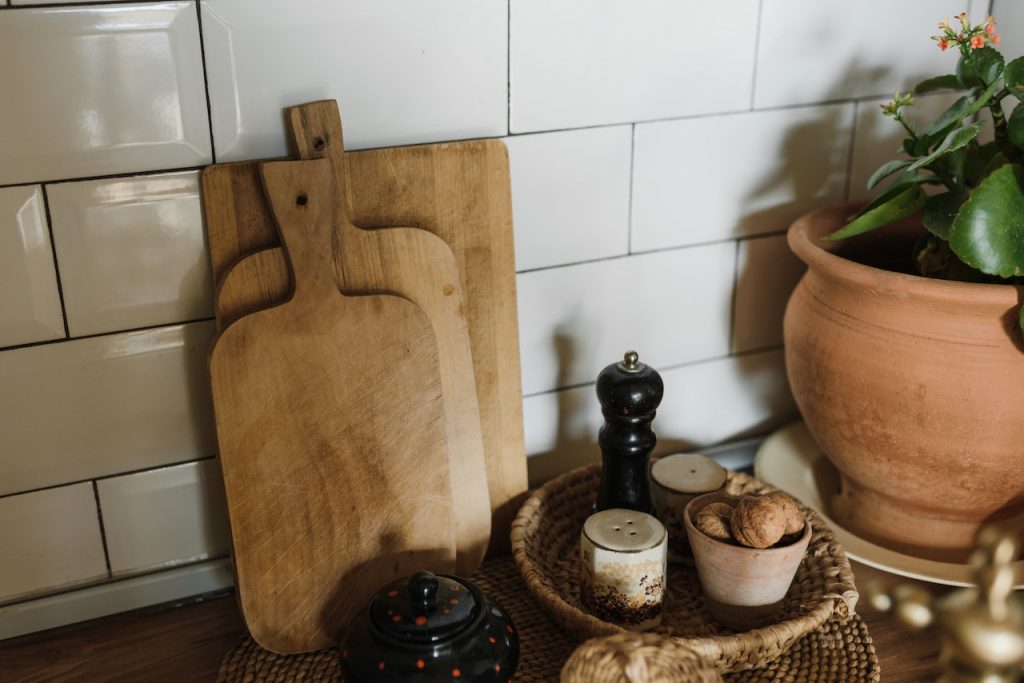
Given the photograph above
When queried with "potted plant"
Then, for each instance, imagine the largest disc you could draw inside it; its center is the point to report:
(903, 346)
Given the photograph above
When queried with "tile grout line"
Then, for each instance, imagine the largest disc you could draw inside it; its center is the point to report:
(665, 368)
(850, 151)
(103, 530)
(206, 79)
(757, 53)
(56, 267)
(146, 328)
(735, 296)
(632, 172)
(108, 176)
(508, 67)
(125, 473)
(658, 250)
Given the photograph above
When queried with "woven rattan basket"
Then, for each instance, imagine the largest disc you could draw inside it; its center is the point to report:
(545, 544)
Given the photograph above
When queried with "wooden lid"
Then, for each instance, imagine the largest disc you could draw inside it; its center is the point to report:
(689, 473)
(624, 531)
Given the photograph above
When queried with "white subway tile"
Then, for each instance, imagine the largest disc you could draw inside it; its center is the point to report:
(879, 139)
(30, 308)
(767, 272)
(132, 252)
(101, 89)
(49, 540)
(705, 403)
(833, 49)
(165, 517)
(570, 195)
(719, 177)
(672, 307)
(1009, 16)
(102, 405)
(401, 72)
(579, 63)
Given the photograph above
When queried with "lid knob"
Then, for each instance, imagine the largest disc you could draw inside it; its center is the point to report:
(423, 592)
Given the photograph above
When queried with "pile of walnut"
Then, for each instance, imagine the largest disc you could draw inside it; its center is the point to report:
(755, 520)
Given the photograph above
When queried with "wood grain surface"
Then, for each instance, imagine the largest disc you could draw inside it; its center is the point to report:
(407, 262)
(458, 192)
(187, 644)
(330, 424)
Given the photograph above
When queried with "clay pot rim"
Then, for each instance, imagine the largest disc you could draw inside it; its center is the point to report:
(716, 496)
(805, 239)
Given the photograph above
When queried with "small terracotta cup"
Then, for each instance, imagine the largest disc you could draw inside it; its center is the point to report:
(744, 587)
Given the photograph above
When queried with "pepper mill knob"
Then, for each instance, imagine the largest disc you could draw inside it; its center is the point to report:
(630, 393)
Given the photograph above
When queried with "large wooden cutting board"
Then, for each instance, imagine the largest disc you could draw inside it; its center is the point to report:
(457, 191)
(330, 425)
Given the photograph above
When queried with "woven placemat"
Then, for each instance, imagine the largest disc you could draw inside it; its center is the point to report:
(835, 653)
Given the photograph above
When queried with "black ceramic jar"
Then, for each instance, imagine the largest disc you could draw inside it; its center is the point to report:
(430, 628)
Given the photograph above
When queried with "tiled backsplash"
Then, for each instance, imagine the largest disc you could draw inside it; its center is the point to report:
(658, 148)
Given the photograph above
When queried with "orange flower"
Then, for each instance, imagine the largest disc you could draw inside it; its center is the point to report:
(978, 41)
(995, 39)
(943, 44)
(990, 29)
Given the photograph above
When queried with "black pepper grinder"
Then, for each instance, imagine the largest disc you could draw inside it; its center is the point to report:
(630, 393)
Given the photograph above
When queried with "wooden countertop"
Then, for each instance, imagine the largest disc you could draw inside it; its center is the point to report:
(187, 643)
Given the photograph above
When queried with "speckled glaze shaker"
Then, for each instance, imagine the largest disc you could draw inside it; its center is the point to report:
(623, 557)
(675, 481)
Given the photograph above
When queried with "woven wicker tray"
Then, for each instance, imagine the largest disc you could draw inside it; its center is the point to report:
(545, 543)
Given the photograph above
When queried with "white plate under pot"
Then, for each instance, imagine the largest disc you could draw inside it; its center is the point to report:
(791, 460)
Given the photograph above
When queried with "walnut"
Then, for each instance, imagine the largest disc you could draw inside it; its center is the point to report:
(758, 521)
(791, 509)
(713, 520)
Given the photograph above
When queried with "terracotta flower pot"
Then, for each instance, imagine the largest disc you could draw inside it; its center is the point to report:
(744, 587)
(913, 387)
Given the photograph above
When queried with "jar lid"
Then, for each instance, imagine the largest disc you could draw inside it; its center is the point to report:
(624, 531)
(689, 473)
(424, 608)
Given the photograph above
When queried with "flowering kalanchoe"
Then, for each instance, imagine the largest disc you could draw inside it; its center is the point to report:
(969, 37)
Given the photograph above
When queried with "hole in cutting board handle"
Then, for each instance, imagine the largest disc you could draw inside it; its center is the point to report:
(301, 200)
(319, 144)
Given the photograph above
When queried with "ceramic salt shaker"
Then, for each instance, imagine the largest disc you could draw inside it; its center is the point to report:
(629, 392)
(623, 563)
(675, 481)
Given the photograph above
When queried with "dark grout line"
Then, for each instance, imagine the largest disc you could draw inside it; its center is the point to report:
(735, 296)
(56, 265)
(206, 80)
(632, 171)
(850, 151)
(665, 368)
(103, 529)
(110, 176)
(757, 53)
(85, 3)
(659, 250)
(140, 470)
(121, 578)
(508, 68)
(111, 333)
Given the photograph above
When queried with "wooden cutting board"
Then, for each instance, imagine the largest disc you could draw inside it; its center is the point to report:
(420, 267)
(331, 431)
(457, 191)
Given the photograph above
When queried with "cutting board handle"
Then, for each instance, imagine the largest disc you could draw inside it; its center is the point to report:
(305, 212)
(316, 130)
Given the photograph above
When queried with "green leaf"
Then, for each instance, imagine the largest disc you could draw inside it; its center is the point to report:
(952, 142)
(1022, 319)
(1015, 127)
(878, 214)
(978, 158)
(988, 233)
(952, 116)
(1014, 76)
(980, 67)
(886, 170)
(947, 82)
(940, 210)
